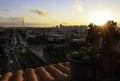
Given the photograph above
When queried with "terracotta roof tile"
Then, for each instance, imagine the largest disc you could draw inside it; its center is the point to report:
(53, 72)
(41, 71)
(30, 75)
(67, 64)
(7, 76)
(56, 72)
(0, 77)
(17, 76)
(63, 68)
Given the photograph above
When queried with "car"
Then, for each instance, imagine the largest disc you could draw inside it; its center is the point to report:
(11, 49)
(11, 61)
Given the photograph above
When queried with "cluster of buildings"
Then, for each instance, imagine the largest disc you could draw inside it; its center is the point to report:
(57, 33)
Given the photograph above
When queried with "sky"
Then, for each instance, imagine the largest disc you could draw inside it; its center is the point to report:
(55, 12)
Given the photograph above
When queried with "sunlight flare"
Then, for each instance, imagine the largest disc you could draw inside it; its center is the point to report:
(101, 18)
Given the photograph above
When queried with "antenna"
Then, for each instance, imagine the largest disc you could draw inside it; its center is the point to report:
(22, 22)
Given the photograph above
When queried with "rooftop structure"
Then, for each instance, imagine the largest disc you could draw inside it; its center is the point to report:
(53, 72)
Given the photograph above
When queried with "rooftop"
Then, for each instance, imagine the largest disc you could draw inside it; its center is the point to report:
(53, 72)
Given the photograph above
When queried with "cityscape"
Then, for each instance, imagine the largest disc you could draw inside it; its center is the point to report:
(20, 43)
(76, 40)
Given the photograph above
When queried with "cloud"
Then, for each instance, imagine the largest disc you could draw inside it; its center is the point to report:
(27, 17)
(37, 11)
(77, 5)
(1, 18)
(14, 19)
(6, 10)
(10, 19)
(40, 12)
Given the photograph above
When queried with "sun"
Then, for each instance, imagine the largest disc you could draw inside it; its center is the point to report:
(101, 18)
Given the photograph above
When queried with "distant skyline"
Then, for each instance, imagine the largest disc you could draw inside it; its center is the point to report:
(55, 12)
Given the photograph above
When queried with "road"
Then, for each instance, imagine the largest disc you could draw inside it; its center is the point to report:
(12, 64)
(38, 51)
